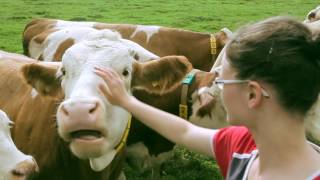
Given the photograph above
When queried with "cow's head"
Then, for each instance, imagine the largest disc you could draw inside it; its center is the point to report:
(85, 118)
(313, 15)
(207, 107)
(14, 164)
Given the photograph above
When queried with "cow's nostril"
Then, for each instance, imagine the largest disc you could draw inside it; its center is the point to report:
(17, 172)
(24, 168)
(94, 108)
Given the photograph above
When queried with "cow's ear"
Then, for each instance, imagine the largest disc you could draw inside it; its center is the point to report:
(42, 76)
(224, 35)
(162, 75)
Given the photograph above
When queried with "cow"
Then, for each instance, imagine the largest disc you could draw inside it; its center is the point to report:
(201, 49)
(47, 40)
(14, 165)
(94, 129)
(312, 21)
(313, 15)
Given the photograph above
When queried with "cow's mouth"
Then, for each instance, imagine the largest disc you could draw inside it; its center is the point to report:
(86, 134)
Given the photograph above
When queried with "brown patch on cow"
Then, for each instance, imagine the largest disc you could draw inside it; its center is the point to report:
(40, 38)
(35, 28)
(162, 75)
(62, 48)
(43, 79)
(125, 30)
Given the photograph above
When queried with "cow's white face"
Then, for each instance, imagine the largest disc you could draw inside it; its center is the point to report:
(85, 118)
(10, 157)
(313, 15)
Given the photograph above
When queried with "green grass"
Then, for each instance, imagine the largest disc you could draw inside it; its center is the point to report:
(200, 15)
(196, 15)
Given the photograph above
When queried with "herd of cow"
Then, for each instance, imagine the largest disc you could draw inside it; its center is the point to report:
(72, 131)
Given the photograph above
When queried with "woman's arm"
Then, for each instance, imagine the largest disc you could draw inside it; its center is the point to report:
(170, 126)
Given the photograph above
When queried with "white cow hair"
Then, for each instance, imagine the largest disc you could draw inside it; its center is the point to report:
(98, 164)
(109, 38)
(148, 30)
(10, 156)
(78, 24)
(102, 38)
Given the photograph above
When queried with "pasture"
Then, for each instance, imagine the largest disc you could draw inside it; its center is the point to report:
(201, 15)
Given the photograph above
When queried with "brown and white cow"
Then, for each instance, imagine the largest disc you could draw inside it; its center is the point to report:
(14, 164)
(46, 39)
(92, 127)
(312, 20)
(200, 48)
(313, 15)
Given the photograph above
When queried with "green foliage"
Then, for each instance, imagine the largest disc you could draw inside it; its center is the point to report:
(183, 165)
(199, 15)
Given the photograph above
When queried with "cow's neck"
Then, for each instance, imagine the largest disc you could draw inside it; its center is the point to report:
(200, 79)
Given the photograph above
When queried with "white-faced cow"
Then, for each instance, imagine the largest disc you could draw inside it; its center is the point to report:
(14, 165)
(92, 128)
(47, 40)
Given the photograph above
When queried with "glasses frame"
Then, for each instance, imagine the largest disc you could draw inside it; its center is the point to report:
(221, 82)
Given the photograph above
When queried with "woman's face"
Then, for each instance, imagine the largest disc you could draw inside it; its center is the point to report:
(233, 95)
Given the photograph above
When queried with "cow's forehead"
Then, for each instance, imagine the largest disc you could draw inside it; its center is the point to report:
(82, 54)
(102, 48)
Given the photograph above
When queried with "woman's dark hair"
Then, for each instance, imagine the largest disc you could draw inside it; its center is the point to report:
(282, 52)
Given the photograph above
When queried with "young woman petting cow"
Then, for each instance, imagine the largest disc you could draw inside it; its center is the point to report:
(270, 78)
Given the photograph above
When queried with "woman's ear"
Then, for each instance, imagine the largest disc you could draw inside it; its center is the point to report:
(254, 95)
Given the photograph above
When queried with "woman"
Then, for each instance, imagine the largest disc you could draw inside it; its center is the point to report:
(270, 78)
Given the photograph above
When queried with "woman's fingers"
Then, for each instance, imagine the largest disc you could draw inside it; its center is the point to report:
(104, 89)
(104, 74)
(114, 88)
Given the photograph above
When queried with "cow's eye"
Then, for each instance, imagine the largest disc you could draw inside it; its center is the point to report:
(125, 72)
(10, 124)
(63, 71)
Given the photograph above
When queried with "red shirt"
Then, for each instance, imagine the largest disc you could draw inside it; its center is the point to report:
(235, 150)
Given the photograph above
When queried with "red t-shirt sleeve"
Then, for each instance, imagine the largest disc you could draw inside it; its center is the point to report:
(231, 140)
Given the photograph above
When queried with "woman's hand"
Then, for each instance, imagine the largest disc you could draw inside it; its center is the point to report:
(114, 89)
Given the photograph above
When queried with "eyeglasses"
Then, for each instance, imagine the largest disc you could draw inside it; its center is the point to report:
(221, 82)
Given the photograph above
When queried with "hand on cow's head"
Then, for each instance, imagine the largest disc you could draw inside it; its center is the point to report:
(42, 76)
(159, 76)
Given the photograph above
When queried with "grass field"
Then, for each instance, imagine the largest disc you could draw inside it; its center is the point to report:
(196, 15)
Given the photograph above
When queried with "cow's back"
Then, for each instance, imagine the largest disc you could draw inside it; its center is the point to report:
(162, 41)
